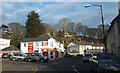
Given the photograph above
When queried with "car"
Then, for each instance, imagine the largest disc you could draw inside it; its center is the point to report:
(86, 58)
(17, 57)
(79, 56)
(5, 55)
(36, 57)
(68, 56)
(104, 62)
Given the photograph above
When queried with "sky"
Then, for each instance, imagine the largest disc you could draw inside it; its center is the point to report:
(52, 12)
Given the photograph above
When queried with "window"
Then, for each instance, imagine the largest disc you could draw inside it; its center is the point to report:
(51, 53)
(51, 44)
(24, 44)
(59, 45)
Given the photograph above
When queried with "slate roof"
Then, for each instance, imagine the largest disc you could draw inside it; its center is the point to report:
(43, 37)
(10, 48)
(82, 43)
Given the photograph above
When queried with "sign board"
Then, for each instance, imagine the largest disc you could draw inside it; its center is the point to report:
(30, 47)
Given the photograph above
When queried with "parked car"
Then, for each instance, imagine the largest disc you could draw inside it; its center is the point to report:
(86, 58)
(79, 55)
(36, 57)
(68, 56)
(5, 55)
(17, 57)
(104, 62)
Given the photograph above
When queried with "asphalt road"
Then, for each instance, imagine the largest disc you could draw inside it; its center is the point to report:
(66, 65)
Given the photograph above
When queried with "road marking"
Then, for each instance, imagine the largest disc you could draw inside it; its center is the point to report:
(42, 66)
(36, 69)
(75, 68)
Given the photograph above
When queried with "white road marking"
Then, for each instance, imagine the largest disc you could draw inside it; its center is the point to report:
(42, 66)
(75, 68)
(35, 68)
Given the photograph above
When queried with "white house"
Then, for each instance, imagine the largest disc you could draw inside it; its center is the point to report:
(84, 48)
(44, 44)
(3, 44)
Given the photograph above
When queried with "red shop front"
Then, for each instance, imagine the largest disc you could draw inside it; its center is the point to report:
(50, 53)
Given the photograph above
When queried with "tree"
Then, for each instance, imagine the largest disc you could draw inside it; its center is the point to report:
(17, 32)
(100, 30)
(62, 24)
(4, 28)
(92, 32)
(4, 31)
(34, 26)
(78, 28)
(70, 26)
(81, 29)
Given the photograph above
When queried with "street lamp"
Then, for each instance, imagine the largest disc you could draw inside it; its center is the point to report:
(101, 12)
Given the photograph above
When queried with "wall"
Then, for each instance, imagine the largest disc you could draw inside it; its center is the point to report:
(4, 43)
(113, 37)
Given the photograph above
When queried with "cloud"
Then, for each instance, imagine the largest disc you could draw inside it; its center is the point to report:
(52, 12)
(60, 0)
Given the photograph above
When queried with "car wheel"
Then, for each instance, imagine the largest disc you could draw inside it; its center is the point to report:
(41, 60)
(14, 59)
(29, 60)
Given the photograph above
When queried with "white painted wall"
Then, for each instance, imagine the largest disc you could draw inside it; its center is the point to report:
(4, 43)
(50, 41)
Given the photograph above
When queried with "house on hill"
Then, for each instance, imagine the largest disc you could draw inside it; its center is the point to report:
(82, 48)
(45, 44)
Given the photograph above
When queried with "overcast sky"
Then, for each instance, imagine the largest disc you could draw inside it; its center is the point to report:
(52, 12)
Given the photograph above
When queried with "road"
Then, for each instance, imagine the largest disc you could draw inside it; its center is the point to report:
(69, 65)
(8, 65)
(61, 65)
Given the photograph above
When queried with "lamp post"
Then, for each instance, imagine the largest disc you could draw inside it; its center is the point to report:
(101, 12)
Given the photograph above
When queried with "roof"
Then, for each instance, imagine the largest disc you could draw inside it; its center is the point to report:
(10, 48)
(82, 43)
(43, 37)
(113, 22)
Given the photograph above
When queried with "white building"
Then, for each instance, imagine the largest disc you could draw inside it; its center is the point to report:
(84, 48)
(44, 44)
(4, 43)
